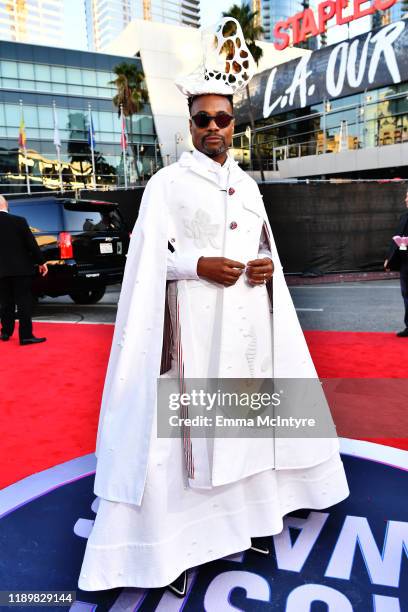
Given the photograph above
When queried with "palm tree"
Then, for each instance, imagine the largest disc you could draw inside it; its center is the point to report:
(252, 32)
(131, 94)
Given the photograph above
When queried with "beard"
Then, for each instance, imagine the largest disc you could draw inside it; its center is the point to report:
(213, 149)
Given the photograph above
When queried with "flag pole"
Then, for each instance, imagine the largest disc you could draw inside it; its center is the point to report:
(124, 144)
(125, 168)
(22, 138)
(57, 143)
(60, 168)
(91, 139)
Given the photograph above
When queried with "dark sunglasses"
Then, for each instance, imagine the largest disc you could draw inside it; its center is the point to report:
(203, 120)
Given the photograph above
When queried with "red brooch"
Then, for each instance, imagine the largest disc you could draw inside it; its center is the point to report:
(231, 191)
(233, 225)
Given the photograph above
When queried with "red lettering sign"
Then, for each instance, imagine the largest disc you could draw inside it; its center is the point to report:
(301, 26)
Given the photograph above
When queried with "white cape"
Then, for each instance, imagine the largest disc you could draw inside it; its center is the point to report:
(129, 396)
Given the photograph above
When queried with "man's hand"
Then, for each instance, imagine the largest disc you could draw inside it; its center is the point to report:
(43, 268)
(386, 268)
(259, 270)
(220, 270)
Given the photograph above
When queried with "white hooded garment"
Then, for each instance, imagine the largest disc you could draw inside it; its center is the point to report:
(152, 522)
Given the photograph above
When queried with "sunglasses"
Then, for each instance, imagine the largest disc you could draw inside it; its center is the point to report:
(203, 120)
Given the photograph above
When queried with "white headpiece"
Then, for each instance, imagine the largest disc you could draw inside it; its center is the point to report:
(227, 65)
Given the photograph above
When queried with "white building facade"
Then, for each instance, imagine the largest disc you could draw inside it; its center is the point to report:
(167, 52)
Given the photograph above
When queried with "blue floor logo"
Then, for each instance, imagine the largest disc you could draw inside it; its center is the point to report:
(350, 558)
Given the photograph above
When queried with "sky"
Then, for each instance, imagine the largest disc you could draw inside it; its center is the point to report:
(75, 28)
(211, 10)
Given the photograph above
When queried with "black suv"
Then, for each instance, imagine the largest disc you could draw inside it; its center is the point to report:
(84, 242)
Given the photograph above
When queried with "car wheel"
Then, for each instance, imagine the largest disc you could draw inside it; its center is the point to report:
(87, 296)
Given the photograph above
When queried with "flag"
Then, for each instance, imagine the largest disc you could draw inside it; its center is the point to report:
(57, 139)
(22, 140)
(91, 132)
(123, 138)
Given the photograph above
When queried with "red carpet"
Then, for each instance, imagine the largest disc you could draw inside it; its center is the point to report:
(50, 397)
(358, 354)
(51, 392)
(363, 355)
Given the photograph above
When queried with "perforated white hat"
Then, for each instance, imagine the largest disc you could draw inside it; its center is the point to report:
(227, 65)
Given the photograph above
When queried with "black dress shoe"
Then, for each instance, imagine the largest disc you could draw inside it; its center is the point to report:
(403, 333)
(259, 547)
(32, 340)
(179, 586)
(4, 337)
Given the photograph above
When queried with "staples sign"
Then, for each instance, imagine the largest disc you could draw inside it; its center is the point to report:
(305, 24)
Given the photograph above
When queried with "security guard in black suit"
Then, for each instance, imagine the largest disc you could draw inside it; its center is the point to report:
(19, 252)
(397, 259)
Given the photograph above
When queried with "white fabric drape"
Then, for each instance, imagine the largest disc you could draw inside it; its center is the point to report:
(151, 524)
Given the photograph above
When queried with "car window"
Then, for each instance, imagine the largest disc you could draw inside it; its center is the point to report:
(92, 220)
(44, 217)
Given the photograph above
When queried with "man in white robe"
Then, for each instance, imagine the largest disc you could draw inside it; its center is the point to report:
(169, 504)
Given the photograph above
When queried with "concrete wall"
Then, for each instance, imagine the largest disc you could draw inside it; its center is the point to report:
(370, 158)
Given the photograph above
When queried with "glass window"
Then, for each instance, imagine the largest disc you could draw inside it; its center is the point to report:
(63, 118)
(58, 74)
(43, 86)
(58, 87)
(142, 124)
(75, 89)
(32, 133)
(47, 134)
(91, 92)
(91, 220)
(40, 217)
(105, 136)
(31, 116)
(105, 122)
(136, 123)
(333, 120)
(12, 115)
(42, 72)
(2, 115)
(95, 120)
(402, 105)
(74, 76)
(12, 132)
(9, 69)
(89, 77)
(76, 121)
(28, 85)
(26, 71)
(10, 83)
(102, 78)
(44, 116)
(147, 125)
(384, 92)
(104, 92)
